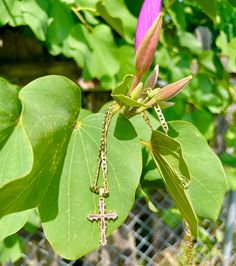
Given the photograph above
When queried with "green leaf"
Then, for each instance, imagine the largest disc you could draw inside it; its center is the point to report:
(222, 42)
(86, 3)
(169, 159)
(124, 86)
(50, 107)
(58, 31)
(35, 14)
(33, 222)
(90, 18)
(231, 55)
(4, 13)
(103, 62)
(203, 93)
(10, 12)
(83, 113)
(171, 153)
(126, 101)
(189, 41)
(120, 92)
(209, 7)
(76, 45)
(144, 132)
(203, 120)
(149, 203)
(10, 109)
(178, 15)
(16, 156)
(116, 14)
(211, 62)
(126, 56)
(12, 223)
(150, 174)
(11, 249)
(208, 185)
(69, 200)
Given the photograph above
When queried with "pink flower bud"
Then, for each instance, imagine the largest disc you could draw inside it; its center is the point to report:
(172, 89)
(147, 35)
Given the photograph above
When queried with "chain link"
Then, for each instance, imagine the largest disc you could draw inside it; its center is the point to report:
(189, 243)
(159, 115)
(147, 120)
(161, 118)
(102, 154)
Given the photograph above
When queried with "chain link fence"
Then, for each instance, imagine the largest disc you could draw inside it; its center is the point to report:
(146, 238)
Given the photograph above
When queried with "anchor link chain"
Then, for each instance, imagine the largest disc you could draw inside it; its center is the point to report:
(102, 154)
(159, 114)
(189, 243)
(161, 118)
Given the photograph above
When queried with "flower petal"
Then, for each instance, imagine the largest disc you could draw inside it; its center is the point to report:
(148, 14)
(145, 53)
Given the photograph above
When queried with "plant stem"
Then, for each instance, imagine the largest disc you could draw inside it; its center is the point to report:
(81, 18)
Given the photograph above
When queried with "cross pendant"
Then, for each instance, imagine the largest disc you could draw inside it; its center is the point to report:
(103, 217)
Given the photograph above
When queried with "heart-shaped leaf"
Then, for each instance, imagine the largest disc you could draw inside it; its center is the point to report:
(169, 159)
(50, 108)
(208, 184)
(68, 202)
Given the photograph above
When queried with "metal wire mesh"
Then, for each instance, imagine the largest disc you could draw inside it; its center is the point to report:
(146, 238)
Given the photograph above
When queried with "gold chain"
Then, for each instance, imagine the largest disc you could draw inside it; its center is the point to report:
(189, 243)
(161, 118)
(102, 154)
(146, 119)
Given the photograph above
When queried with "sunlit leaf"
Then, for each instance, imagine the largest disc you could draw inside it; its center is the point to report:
(167, 154)
(208, 184)
(50, 107)
(69, 200)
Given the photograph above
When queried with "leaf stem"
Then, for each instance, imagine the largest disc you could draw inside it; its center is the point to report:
(81, 18)
(145, 143)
